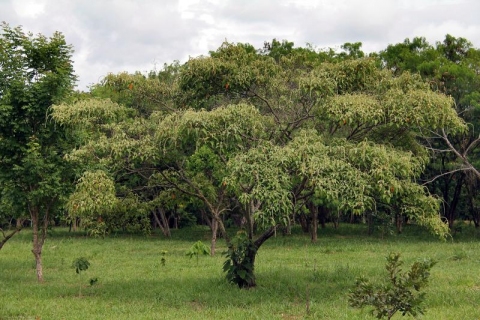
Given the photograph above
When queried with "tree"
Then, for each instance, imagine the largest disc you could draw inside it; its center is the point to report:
(353, 106)
(451, 67)
(35, 72)
(271, 136)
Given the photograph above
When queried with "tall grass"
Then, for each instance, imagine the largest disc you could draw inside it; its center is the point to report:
(295, 278)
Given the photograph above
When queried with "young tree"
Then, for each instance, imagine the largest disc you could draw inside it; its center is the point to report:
(35, 72)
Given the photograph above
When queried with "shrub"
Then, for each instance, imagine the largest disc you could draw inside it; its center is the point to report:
(401, 292)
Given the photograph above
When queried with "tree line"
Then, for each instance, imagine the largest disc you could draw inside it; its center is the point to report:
(248, 139)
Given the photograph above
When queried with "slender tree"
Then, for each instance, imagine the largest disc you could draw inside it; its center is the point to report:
(35, 72)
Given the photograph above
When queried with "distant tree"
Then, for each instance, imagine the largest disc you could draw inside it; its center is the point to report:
(35, 72)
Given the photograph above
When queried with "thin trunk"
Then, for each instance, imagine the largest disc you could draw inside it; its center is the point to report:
(452, 208)
(304, 223)
(370, 223)
(399, 222)
(474, 213)
(213, 242)
(39, 234)
(162, 221)
(323, 211)
(314, 221)
(206, 218)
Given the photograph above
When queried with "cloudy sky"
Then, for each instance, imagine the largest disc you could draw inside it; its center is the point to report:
(140, 35)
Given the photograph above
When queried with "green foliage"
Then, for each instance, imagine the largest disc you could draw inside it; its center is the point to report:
(163, 260)
(93, 281)
(266, 132)
(198, 249)
(35, 73)
(240, 261)
(402, 293)
(80, 264)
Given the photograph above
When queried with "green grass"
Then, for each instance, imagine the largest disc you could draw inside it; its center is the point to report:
(291, 273)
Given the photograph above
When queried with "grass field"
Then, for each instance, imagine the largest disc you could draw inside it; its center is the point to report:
(292, 275)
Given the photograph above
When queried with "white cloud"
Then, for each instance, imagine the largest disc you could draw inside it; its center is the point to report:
(28, 8)
(128, 35)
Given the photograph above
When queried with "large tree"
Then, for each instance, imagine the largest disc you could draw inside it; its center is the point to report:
(35, 72)
(451, 67)
(267, 136)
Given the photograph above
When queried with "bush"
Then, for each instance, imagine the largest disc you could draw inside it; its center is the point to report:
(401, 292)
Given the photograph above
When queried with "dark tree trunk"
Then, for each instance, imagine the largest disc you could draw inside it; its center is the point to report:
(251, 254)
(399, 222)
(314, 221)
(471, 185)
(304, 223)
(452, 205)
(322, 215)
(370, 223)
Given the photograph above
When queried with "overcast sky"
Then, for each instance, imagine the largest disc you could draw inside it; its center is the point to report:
(137, 35)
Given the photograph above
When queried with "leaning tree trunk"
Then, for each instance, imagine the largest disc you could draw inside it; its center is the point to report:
(162, 221)
(6, 237)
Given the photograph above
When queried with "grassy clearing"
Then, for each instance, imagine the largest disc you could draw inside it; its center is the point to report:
(292, 273)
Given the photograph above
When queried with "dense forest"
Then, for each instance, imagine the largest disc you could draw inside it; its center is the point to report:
(249, 141)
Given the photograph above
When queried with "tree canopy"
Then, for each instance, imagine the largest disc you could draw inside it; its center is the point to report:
(260, 139)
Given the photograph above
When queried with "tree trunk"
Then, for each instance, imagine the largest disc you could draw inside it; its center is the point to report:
(370, 223)
(251, 254)
(323, 212)
(213, 243)
(399, 222)
(452, 205)
(39, 235)
(304, 223)
(162, 221)
(314, 221)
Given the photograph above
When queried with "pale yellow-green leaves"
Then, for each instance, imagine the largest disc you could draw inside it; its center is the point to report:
(87, 114)
(94, 195)
(422, 109)
(225, 130)
(262, 184)
(340, 175)
(355, 109)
